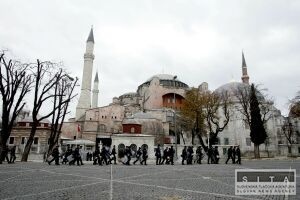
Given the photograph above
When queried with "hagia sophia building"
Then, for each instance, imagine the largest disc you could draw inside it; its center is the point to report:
(147, 117)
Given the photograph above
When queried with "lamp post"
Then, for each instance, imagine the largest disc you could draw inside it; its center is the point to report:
(176, 154)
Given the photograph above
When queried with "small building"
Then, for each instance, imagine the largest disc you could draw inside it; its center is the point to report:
(21, 132)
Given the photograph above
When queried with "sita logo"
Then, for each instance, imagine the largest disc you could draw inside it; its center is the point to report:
(265, 182)
(271, 178)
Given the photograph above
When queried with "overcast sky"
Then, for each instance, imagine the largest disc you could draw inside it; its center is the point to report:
(135, 39)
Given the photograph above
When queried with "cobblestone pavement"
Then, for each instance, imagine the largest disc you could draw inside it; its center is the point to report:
(40, 181)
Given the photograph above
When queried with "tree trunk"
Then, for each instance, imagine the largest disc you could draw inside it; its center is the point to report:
(182, 138)
(201, 142)
(193, 136)
(50, 147)
(29, 143)
(3, 140)
(2, 143)
(256, 151)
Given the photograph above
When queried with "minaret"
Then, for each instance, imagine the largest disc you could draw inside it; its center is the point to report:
(84, 102)
(95, 92)
(245, 77)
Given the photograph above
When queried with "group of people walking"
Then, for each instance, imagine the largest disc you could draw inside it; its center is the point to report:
(107, 155)
(188, 155)
(9, 154)
(70, 156)
(99, 157)
(234, 153)
(213, 155)
(166, 158)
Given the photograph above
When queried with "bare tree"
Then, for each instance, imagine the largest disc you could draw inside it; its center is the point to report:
(288, 131)
(15, 83)
(47, 75)
(200, 112)
(192, 114)
(63, 95)
(242, 95)
(215, 103)
(295, 106)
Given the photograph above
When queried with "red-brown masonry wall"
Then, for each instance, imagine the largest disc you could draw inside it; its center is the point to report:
(127, 128)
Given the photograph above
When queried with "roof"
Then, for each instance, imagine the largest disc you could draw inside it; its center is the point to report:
(233, 87)
(142, 115)
(128, 94)
(29, 119)
(132, 135)
(80, 142)
(130, 121)
(163, 77)
(166, 80)
(65, 138)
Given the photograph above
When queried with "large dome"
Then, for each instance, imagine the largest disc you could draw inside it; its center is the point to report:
(166, 80)
(162, 77)
(233, 88)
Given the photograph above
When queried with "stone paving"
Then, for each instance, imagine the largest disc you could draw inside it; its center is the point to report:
(40, 181)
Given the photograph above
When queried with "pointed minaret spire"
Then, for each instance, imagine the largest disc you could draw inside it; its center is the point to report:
(243, 60)
(96, 77)
(91, 36)
(245, 77)
(95, 92)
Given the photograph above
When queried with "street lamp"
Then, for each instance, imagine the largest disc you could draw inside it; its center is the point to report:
(176, 154)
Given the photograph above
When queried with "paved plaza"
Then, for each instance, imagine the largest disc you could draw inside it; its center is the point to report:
(40, 181)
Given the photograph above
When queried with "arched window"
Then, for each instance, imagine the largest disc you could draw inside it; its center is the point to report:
(121, 150)
(102, 128)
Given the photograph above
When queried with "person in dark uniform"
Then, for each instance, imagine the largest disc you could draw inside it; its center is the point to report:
(184, 155)
(229, 155)
(76, 156)
(90, 156)
(171, 155)
(158, 155)
(67, 154)
(128, 154)
(138, 155)
(190, 153)
(209, 155)
(216, 155)
(103, 155)
(144, 156)
(55, 154)
(80, 155)
(199, 154)
(238, 154)
(12, 154)
(87, 156)
(233, 155)
(113, 153)
(5, 154)
(165, 156)
(96, 156)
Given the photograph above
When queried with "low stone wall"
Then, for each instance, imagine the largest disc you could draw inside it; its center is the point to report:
(289, 150)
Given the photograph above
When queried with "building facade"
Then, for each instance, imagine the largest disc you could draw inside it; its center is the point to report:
(148, 116)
